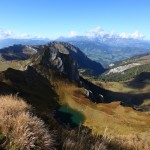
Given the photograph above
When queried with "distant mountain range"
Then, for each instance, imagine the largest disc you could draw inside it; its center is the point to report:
(109, 40)
(11, 41)
(107, 50)
(103, 49)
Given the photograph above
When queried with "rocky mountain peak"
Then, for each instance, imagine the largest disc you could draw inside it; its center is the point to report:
(55, 57)
(63, 47)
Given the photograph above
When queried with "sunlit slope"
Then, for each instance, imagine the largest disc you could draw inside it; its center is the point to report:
(118, 119)
(127, 70)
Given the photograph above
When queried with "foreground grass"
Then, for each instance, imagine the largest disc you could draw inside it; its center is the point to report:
(19, 129)
(82, 139)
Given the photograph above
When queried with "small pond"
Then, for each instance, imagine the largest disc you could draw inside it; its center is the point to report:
(68, 116)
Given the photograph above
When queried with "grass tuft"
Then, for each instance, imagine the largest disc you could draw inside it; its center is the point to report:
(20, 129)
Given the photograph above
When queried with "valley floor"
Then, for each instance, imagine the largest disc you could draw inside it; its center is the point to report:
(118, 120)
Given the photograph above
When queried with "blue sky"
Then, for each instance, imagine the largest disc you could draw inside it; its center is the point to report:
(53, 18)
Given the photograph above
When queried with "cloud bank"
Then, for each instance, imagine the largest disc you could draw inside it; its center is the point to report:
(134, 35)
(97, 32)
(5, 34)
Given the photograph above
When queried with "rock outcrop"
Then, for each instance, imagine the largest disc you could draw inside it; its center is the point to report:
(56, 57)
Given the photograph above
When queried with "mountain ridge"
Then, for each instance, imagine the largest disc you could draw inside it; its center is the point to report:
(17, 52)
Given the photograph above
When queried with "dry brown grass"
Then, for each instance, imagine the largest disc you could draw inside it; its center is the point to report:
(20, 129)
(84, 140)
(129, 142)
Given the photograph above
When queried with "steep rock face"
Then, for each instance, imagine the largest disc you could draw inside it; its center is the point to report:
(83, 61)
(56, 57)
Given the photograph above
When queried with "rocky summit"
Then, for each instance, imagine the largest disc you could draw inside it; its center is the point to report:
(56, 58)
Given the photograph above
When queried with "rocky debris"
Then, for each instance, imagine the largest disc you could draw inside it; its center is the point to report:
(111, 65)
(99, 98)
(88, 93)
(121, 69)
(137, 108)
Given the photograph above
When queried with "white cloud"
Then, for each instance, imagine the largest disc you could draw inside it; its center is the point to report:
(5, 34)
(124, 35)
(134, 35)
(137, 35)
(98, 31)
(73, 34)
(24, 36)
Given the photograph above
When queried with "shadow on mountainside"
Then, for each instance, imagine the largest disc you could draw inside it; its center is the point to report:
(29, 85)
(128, 99)
(140, 81)
(38, 91)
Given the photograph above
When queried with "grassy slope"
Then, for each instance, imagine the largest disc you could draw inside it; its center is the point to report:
(123, 87)
(131, 73)
(118, 119)
(132, 87)
(15, 64)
